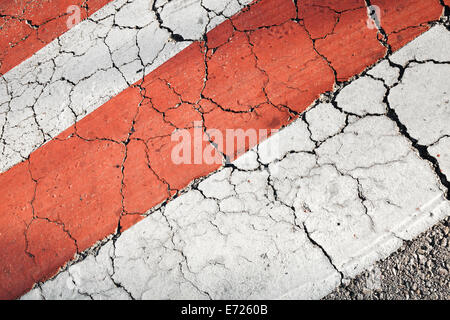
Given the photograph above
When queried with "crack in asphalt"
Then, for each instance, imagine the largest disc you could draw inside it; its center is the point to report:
(422, 150)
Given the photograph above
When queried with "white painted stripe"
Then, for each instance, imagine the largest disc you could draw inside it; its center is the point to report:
(92, 62)
(288, 225)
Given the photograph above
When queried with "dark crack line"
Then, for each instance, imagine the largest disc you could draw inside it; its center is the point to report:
(330, 260)
(422, 150)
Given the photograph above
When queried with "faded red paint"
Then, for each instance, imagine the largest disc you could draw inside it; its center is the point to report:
(264, 14)
(352, 46)
(16, 265)
(407, 19)
(142, 188)
(78, 184)
(294, 73)
(226, 76)
(311, 14)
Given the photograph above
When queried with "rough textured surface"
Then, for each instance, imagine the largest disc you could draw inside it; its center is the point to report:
(291, 223)
(115, 47)
(408, 18)
(85, 67)
(188, 92)
(418, 270)
(29, 26)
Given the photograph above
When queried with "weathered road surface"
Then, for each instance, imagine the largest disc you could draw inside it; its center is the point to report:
(418, 270)
(87, 117)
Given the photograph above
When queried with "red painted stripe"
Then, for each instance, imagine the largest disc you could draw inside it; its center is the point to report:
(407, 19)
(27, 26)
(116, 163)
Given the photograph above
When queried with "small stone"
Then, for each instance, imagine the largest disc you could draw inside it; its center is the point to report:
(441, 271)
(446, 230)
(366, 292)
(421, 258)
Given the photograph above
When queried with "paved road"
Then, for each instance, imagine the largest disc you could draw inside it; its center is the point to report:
(218, 149)
(307, 209)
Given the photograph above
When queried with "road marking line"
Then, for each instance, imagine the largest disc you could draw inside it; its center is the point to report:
(29, 26)
(84, 180)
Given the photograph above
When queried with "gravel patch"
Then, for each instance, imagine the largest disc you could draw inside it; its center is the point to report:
(420, 269)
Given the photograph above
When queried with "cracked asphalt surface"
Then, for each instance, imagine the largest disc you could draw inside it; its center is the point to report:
(349, 176)
(28, 26)
(322, 204)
